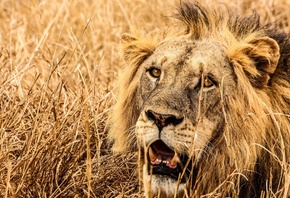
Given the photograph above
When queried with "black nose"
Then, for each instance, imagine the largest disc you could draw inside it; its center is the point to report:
(163, 120)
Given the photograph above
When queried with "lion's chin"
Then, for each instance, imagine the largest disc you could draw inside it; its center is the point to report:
(162, 185)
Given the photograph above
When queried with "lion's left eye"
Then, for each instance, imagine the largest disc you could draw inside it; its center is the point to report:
(154, 72)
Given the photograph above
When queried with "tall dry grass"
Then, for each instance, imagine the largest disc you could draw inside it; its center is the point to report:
(58, 67)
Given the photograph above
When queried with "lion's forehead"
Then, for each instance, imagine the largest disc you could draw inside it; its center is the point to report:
(196, 55)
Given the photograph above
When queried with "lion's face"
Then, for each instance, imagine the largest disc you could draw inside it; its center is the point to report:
(181, 112)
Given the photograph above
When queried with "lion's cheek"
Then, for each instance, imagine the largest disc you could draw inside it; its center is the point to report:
(145, 131)
(202, 136)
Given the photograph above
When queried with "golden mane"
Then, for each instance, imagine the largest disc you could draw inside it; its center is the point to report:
(259, 112)
(125, 112)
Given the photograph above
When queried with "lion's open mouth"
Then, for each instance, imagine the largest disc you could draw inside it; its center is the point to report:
(164, 161)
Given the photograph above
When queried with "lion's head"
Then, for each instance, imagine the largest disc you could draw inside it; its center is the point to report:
(206, 107)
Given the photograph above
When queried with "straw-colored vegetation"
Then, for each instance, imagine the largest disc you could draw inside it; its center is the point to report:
(59, 62)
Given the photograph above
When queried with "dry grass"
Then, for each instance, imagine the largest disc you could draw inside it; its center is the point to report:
(59, 64)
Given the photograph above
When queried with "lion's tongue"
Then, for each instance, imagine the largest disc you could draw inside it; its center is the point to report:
(160, 153)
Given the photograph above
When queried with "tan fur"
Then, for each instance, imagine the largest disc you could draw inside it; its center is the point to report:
(250, 131)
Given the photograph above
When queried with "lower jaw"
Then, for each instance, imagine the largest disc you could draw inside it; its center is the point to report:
(165, 172)
(178, 174)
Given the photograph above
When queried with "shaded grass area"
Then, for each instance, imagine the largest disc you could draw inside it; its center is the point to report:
(59, 65)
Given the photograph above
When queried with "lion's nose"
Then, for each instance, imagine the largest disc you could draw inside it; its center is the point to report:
(163, 120)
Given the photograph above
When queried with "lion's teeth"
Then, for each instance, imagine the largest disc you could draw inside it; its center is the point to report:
(152, 155)
(156, 161)
(173, 162)
(155, 158)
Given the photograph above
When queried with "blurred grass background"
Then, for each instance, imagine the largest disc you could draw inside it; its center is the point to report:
(59, 61)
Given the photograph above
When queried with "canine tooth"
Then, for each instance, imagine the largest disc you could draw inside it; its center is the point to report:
(152, 155)
(173, 162)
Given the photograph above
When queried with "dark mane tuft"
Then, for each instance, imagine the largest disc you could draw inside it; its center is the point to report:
(203, 21)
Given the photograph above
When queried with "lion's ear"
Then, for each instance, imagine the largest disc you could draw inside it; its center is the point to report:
(262, 56)
(265, 54)
(136, 50)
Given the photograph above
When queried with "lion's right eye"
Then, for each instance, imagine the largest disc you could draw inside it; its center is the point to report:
(207, 83)
(154, 72)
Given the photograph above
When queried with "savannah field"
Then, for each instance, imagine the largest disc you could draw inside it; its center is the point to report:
(59, 62)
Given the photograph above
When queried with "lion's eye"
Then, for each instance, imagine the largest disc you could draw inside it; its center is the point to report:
(154, 72)
(207, 82)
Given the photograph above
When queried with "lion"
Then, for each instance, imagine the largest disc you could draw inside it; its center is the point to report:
(207, 106)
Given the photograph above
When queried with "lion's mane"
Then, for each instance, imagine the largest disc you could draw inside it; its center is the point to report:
(257, 117)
